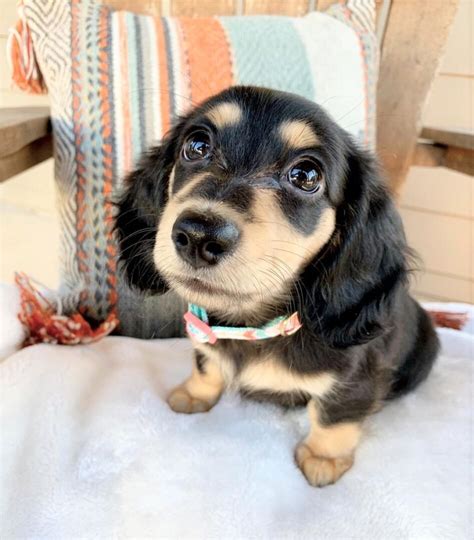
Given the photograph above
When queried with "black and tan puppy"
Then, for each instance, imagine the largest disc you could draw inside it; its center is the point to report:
(257, 205)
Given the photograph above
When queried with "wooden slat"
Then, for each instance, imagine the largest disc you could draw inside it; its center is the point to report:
(201, 8)
(457, 59)
(443, 242)
(149, 7)
(20, 126)
(381, 19)
(35, 152)
(450, 100)
(459, 159)
(436, 286)
(461, 139)
(414, 41)
(428, 155)
(425, 189)
(9, 16)
(322, 5)
(292, 8)
(452, 157)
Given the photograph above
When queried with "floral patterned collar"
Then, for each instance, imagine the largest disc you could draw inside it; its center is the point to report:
(198, 328)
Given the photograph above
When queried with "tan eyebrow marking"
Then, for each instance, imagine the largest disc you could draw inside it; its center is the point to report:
(298, 134)
(225, 114)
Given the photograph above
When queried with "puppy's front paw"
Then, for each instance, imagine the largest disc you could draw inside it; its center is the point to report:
(321, 471)
(181, 401)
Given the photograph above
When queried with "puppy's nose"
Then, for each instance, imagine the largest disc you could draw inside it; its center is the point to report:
(203, 240)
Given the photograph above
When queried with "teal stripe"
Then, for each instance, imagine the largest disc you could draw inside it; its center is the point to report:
(134, 96)
(91, 149)
(268, 51)
(140, 34)
(149, 113)
(89, 71)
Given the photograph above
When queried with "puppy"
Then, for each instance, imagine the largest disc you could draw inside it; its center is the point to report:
(265, 215)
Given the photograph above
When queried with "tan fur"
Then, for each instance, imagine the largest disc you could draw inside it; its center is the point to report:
(214, 354)
(200, 392)
(183, 193)
(225, 114)
(171, 181)
(321, 471)
(275, 251)
(268, 374)
(298, 134)
(270, 254)
(328, 451)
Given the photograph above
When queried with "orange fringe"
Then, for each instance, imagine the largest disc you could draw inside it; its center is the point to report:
(44, 325)
(26, 73)
(446, 319)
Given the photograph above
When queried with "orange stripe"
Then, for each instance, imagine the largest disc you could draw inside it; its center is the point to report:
(184, 101)
(107, 155)
(81, 232)
(127, 143)
(163, 73)
(208, 57)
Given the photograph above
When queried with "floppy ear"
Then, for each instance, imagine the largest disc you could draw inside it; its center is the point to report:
(139, 210)
(352, 285)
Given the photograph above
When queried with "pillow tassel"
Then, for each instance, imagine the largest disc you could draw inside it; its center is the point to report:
(448, 319)
(24, 67)
(44, 324)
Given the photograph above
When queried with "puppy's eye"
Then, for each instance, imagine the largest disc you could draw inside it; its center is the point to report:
(306, 175)
(197, 146)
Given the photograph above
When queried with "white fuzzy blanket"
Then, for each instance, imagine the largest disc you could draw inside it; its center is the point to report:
(89, 449)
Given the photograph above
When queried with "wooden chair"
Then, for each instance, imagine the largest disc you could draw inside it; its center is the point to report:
(412, 35)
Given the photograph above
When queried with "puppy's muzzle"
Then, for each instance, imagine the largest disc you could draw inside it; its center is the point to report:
(204, 240)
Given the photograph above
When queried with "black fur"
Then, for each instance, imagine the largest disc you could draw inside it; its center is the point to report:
(353, 284)
(139, 210)
(359, 321)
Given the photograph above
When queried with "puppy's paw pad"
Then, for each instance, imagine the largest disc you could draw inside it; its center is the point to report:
(181, 401)
(321, 471)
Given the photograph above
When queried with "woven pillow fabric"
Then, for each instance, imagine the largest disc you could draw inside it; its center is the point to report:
(116, 82)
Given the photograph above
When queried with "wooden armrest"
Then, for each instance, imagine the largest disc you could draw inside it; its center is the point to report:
(460, 138)
(25, 139)
(446, 148)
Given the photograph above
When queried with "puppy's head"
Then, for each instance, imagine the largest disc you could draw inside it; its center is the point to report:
(245, 205)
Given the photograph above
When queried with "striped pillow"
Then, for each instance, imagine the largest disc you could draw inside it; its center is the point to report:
(117, 80)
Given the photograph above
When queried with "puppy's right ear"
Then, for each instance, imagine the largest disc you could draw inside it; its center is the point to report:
(139, 209)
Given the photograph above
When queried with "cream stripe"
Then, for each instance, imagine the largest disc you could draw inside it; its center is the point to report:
(181, 90)
(118, 96)
(127, 103)
(153, 93)
(268, 374)
(165, 8)
(331, 65)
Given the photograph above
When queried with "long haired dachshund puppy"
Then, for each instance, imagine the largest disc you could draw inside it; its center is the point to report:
(267, 218)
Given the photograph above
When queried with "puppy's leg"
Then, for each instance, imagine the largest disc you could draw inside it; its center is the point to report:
(201, 391)
(328, 451)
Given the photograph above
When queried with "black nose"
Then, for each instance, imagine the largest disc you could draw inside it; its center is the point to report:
(203, 240)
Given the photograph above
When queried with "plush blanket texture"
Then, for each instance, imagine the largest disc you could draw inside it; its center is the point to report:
(89, 449)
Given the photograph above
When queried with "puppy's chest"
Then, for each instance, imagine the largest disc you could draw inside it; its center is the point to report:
(264, 367)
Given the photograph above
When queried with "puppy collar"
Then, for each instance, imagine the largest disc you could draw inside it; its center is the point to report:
(198, 328)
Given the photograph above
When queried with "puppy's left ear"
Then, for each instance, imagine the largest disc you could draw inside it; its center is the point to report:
(139, 209)
(352, 285)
